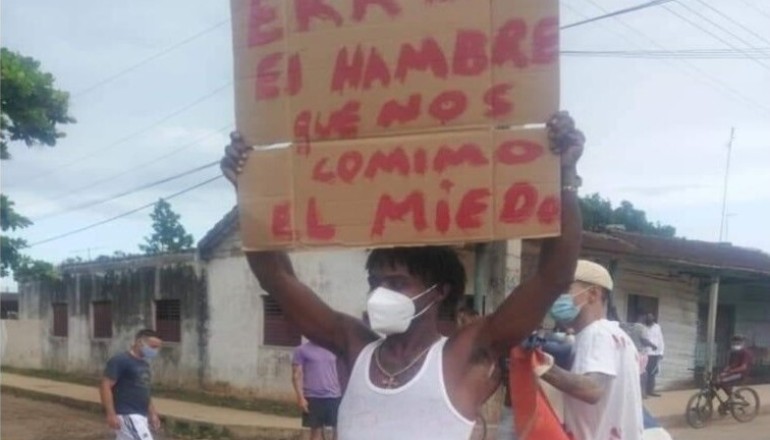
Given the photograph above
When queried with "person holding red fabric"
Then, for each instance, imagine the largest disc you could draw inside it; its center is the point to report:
(602, 393)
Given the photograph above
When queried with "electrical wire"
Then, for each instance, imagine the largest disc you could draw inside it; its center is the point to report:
(698, 54)
(755, 8)
(132, 135)
(693, 69)
(153, 161)
(127, 192)
(735, 22)
(716, 25)
(150, 58)
(125, 214)
(616, 13)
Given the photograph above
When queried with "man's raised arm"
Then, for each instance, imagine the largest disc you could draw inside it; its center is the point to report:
(301, 306)
(526, 306)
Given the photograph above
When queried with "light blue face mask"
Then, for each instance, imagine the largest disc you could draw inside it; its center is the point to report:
(564, 309)
(148, 353)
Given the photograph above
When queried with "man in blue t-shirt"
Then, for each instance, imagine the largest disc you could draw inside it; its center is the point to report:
(125, 389)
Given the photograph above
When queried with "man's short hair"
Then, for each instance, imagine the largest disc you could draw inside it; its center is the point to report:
(432, 264)
(146, 333)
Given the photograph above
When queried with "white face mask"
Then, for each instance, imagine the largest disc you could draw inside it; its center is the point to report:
(391, 312)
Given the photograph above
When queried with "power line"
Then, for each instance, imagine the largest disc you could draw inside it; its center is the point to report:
(128, 192)
(693, 69)
(125, 214)
(716, 25)
(697, 54)
(132, 135)
(755, 8)
(735, 22)
(152, 57)
(111, 177)
(616, 13)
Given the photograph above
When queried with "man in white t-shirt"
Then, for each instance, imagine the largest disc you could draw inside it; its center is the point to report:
(654, 353)
(602, 391)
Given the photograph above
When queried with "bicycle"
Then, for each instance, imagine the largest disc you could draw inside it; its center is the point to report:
(743, 404)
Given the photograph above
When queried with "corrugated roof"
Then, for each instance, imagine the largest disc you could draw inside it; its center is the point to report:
(694, 252)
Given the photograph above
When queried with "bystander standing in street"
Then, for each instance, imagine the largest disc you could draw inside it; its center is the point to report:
(317, 386)
(125, 389)
(654, 355)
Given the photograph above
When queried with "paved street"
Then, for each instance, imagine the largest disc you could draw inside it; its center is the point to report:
(727, 429)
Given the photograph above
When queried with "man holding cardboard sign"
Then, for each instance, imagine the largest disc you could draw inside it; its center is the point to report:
(403, 125)
(415, 384)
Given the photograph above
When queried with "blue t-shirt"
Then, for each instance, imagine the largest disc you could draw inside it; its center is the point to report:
(131, 392)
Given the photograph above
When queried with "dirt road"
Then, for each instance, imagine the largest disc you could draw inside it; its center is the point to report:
(26, 419)
(727, 428)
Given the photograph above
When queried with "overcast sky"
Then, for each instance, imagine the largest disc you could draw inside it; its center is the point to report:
(657, 130)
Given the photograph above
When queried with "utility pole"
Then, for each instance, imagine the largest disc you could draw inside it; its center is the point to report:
(714, 288)
(724, 188)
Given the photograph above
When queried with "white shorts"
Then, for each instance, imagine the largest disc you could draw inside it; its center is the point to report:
(133, 427)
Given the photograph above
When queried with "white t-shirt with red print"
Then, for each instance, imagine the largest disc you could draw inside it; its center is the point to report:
(604, 348)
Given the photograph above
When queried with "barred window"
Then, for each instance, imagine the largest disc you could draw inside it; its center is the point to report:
(60, 320)
(168, 319)
(102, 316)
(277, 330)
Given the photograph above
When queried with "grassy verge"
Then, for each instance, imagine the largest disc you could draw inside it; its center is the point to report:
(260, 405)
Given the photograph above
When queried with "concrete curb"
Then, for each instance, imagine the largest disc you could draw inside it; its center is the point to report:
(176, 426)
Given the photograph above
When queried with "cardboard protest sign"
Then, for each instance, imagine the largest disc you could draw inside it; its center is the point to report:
(387, 122)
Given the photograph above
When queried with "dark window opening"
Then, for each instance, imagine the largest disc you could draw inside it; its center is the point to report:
(168, 319)
(102, 319)
(60, 320)
(277, 330)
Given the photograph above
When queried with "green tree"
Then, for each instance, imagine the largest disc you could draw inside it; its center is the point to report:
(168, 233)
(27, 268)
(31, 105)
(30, 109)
(598, 213)
(10, 220)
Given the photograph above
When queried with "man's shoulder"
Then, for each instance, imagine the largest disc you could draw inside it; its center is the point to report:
(120, 357)
(609, 331)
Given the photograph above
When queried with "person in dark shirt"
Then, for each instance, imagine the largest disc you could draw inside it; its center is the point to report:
(737, 366)
(125, 389)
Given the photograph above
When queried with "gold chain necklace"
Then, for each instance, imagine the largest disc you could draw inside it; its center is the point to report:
(391, 381)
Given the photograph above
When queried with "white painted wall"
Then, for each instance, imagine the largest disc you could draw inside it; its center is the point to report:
(677, 314)
(752, 311)
(22, 343)
(238, 359)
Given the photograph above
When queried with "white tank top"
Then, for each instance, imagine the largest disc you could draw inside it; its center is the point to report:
(417, 410)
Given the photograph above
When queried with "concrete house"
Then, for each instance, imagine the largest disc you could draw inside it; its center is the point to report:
(221, 330)
(223, 333)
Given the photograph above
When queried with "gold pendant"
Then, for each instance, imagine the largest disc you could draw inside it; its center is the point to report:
(389, 382)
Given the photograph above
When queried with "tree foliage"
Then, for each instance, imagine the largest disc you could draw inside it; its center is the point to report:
(10, 220)
(30, 109)
(31, 105)
(598, 213)
(28, 268)
(168, 233)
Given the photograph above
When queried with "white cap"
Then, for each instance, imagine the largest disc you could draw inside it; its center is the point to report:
(591, 273)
